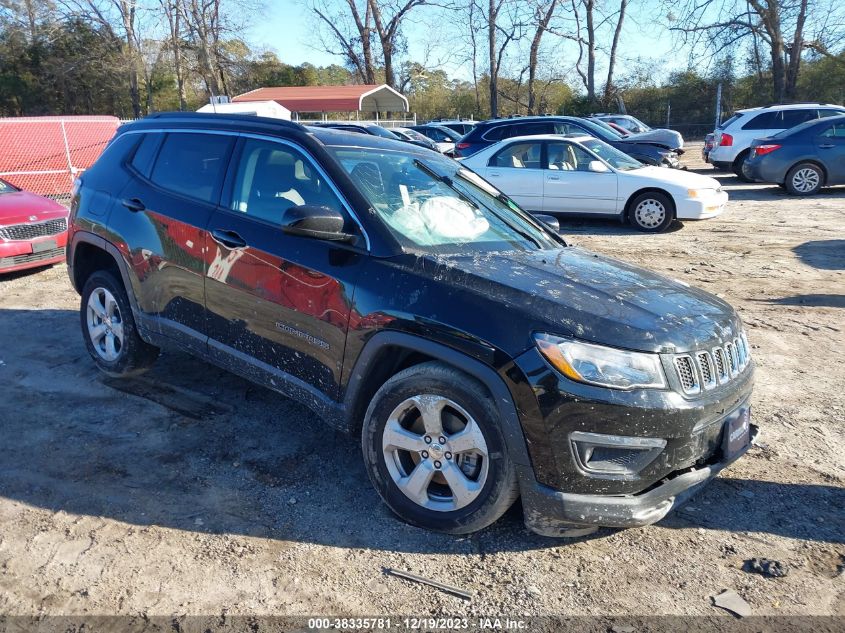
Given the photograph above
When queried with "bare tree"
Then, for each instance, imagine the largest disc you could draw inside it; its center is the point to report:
(781, 25)
(170, 8)
(350, 27)
(543, 12)
(202, 19)
(119, 19)
(388, 16)
(614, 47)
(503, 25)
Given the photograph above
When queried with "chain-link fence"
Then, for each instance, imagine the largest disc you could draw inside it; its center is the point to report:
(45, 154)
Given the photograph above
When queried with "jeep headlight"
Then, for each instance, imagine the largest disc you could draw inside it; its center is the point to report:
(600, 365)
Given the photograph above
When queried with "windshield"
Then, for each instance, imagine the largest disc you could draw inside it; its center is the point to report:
(5, 187)
(434, 205)
(611, 155)
(377, 130)
(640, 123)
(601, 129)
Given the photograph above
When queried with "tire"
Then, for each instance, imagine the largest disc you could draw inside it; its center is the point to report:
(651, 212)
(737, 167)
(108, 328)
(804, 179)
(424, 483)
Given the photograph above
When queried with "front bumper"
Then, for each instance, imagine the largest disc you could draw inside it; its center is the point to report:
(552, 513)
(701, 209)
(560, 490)
(20, 255)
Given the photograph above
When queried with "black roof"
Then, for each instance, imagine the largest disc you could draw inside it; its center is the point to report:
(262, 125)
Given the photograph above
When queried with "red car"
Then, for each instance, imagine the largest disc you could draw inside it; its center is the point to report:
(33, 229)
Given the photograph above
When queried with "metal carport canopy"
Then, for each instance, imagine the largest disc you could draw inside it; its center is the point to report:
(361, 98)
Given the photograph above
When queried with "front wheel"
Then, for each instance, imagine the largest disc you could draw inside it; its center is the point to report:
(804, 179)
(435, 453)
(651, 212)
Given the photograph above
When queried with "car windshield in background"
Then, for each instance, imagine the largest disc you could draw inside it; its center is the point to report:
(5, 187)
(601, 128)
(436, 206)
(640, 123)
(380, 131)
(611, 155)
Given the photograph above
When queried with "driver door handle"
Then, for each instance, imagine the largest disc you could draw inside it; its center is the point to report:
(827, 146)
(229, 239)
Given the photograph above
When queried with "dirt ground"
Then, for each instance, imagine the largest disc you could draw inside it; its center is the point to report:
(192, 491)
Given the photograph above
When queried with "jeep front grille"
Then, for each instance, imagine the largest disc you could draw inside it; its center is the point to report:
(687, 374)
(25, 232)
(706, 369)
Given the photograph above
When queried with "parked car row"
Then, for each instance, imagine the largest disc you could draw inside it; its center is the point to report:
(735, 142)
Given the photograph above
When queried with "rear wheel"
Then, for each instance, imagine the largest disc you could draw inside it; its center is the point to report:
(651, 212)
(109, 328)
(435, 453)
(804, 179)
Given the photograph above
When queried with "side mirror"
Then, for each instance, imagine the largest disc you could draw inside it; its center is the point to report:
(549, 220)
(597, 167)
(321, 223)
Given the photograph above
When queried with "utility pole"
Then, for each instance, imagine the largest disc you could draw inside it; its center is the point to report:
(668, 113)
(718, 106)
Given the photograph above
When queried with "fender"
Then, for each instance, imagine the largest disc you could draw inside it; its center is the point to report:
(510, 424)
(122, 266)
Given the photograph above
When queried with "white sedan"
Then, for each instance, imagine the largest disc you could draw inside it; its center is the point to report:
(583, 175)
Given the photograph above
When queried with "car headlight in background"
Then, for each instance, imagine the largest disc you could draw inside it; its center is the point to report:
(600, 365)
(701, 193)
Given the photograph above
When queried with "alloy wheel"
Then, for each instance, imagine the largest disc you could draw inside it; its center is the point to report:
(435, 453)
(105, 325)
(805, 180)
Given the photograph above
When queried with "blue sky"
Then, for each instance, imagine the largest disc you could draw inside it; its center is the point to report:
(287, 28)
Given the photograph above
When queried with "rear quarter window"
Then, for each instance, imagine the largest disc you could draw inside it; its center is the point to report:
(192, 164)
(145, 154)
(764, 121)
(791, 118)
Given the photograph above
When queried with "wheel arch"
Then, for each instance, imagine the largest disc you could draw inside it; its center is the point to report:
(90, 253)
(812, 161)
(389, 352)
(638, 192)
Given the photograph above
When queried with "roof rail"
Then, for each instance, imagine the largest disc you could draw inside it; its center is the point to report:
(219, 116)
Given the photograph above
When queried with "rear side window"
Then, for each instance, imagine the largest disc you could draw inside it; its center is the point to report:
(532, 128)
(791, 118)
(835, 131)
(520, 155)
(192, 164)
(828, 112)
(142, 161)
(764, 121)
(497, 133)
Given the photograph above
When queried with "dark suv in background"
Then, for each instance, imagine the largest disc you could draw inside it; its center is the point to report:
(403, 298)
(489, 132)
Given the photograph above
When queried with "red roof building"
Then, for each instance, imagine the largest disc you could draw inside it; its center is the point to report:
(363, 98)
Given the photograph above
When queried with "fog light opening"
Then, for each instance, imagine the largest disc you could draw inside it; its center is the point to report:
(614, 455)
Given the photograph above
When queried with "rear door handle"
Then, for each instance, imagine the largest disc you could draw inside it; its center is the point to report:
(133, 204)
(552, 177)
(827, 146)
(494, 174)
(229, 239)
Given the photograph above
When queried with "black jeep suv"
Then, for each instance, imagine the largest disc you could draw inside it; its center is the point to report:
(400, 296)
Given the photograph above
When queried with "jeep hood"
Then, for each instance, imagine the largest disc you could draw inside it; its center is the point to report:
(574, 292)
